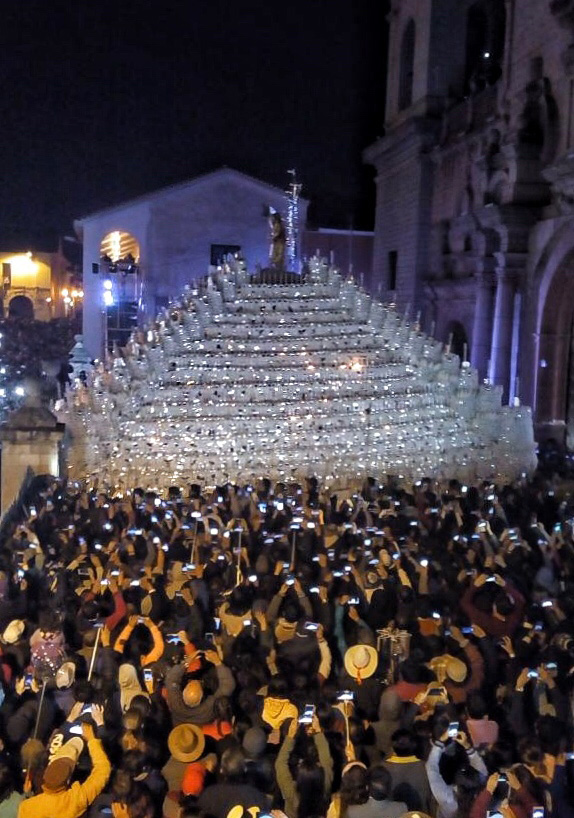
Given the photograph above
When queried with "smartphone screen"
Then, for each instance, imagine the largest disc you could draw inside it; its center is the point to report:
(453, 729)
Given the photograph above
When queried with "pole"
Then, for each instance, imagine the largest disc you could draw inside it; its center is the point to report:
(94, 652)
(40, 705)
(238, 578)
(293, 544)
(346, 717)
(192, 556)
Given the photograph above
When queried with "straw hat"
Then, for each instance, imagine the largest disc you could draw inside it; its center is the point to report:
(361, 661)
(186, 743)
(448, 667)
(13, 632)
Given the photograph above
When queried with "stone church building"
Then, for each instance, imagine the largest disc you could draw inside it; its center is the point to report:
(475, 189)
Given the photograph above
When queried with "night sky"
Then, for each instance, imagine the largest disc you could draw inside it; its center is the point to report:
(103, 100)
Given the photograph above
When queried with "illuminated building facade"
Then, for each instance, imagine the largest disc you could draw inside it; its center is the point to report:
(141, 254)
(36, 285)
(475, 189)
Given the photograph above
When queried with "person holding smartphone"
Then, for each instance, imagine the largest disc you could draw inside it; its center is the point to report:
(60, 797)
(158, 644)
(311, 784)
(448, 754)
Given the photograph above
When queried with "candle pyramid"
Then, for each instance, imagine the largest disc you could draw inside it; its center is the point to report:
(289, 377)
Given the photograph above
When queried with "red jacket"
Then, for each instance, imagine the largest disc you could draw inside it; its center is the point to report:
(489, 623)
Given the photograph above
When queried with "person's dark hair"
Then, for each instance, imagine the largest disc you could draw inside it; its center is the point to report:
(325, 714)
(6, 782)
(550, 731)
(500, 756)
(530, 751)
(310, 783)
(468, 785)
(453, 759)
(403, 742)
(140, 802)
(239, 601)
(233, 764)
(380, 782)
(410, 671)
(476, 705)
(354, 788)
(278, 687)
(504, 604)
(134, 762)
(49, 621)
(530, 783)
(222, 710)
(142, 704)
(291, 611)
(190, 809)
(83, 691)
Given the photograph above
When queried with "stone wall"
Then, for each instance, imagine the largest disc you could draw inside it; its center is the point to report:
(482, 230)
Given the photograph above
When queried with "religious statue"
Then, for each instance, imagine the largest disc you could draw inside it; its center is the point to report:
(278, 241)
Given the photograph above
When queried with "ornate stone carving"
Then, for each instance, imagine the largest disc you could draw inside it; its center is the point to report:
(561, 177)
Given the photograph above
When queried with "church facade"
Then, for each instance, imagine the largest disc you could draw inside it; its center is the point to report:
(474, 223)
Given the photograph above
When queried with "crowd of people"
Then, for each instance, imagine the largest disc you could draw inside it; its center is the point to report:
(241, 650)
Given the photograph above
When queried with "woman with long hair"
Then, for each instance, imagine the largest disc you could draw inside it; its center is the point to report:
(307, 787)
(354, 790)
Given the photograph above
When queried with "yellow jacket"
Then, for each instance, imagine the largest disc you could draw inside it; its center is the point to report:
(74, 801)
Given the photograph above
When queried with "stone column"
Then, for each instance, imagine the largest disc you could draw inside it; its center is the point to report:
(30, 439)
(551, 388)
(482, 325)
(502, 331)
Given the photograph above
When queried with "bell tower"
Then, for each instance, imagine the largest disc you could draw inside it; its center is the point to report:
(427, 65)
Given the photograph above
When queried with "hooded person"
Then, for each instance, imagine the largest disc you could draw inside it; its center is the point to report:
(130, 686)
(64, 694)
(390, 711)
(59, 796)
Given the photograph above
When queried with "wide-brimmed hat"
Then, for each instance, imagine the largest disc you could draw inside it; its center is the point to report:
(449, 667)
(361, 661)
(186, 743)
(62, 764)
(65, 675)
(13, 632)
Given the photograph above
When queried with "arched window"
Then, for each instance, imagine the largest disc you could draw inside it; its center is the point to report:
(21, 308)
(119, 245)
(407, 65)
